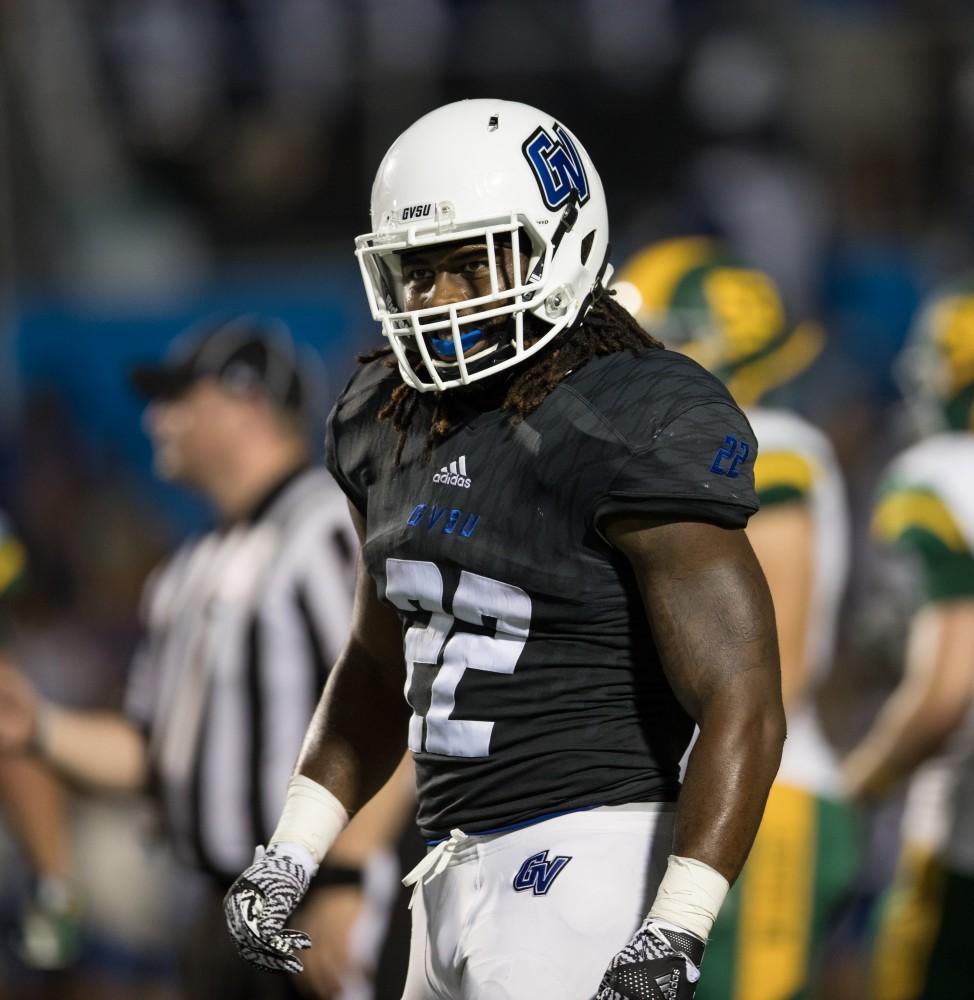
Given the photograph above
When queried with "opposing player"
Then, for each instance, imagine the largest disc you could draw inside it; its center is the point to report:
(550, 506)
(926, 729)
(702, 301)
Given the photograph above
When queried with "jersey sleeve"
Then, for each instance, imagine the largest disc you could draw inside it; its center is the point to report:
(352, 430)
(333, 459)
(919, 521)
(681, 449)
(783, 477)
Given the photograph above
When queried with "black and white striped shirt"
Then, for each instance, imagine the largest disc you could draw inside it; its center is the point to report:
(242, 626)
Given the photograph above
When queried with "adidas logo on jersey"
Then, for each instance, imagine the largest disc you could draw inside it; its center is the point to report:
(454, 475)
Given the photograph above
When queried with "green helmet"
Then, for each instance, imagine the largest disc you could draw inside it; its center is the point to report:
(694, 296)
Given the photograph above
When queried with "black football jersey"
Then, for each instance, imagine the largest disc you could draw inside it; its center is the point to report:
(532, 674)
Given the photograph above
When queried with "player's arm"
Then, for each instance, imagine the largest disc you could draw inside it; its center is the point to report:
(938, 680)
(782, 534)
(782, 537)
(927, 707)
(713, 622)
(330, 914)
(358, 733)
(380, 821)
(331, 911)
(102, 749)
(34, 805)
(36, 808)
(712, 618)
(354, 744)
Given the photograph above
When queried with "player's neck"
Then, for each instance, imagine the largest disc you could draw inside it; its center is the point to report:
(486, 394)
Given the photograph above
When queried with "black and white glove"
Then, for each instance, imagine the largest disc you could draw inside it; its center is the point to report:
(259, 902)
(661, 962)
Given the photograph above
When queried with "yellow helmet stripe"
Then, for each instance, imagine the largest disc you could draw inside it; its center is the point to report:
(953, 326)
(898, 512)
(791, 358)
(774, 469)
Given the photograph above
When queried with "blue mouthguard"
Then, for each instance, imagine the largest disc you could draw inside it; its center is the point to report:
(447, 349)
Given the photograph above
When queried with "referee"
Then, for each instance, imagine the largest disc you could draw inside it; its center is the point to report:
(241, 626)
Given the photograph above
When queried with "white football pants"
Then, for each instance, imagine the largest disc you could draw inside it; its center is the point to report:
(536, 913)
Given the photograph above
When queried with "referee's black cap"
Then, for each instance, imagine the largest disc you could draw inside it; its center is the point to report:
(245, 354)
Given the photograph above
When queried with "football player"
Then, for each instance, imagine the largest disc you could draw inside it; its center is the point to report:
(926, 729)
(700, 300)
(553, 566)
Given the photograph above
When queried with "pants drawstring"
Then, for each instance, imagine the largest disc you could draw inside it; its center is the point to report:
(435, 863)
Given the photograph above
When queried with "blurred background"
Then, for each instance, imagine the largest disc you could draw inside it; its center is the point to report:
(163, 161)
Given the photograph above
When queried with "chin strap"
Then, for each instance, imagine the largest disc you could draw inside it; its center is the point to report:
(599, 290)
(568, 219)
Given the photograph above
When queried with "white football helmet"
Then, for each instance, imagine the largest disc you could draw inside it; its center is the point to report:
(498, 173)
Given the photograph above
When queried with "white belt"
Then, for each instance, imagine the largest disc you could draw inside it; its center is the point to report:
(435, 863)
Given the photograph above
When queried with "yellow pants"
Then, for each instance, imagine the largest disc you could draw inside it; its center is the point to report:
(765, 943)
(908, 926)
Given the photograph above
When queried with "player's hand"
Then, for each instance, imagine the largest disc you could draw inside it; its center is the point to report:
(259, 902)
(18, 709)
(661, 962)
(329, 915)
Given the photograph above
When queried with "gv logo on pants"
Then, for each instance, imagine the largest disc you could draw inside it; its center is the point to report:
(538, 873)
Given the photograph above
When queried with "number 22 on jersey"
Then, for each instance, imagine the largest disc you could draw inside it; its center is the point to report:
(500, 614)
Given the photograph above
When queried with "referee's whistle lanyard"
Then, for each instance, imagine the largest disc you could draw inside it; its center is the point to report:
(435, 862)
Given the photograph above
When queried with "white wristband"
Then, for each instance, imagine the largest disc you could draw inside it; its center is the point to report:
(312, 817)
(690, 895)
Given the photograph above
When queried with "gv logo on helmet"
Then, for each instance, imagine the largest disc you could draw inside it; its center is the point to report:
(557, 166)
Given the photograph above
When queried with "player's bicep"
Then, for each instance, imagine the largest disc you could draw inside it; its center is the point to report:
(709, 607)
(782, 537)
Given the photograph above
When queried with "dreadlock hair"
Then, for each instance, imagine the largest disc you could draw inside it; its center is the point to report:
(606, 329)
